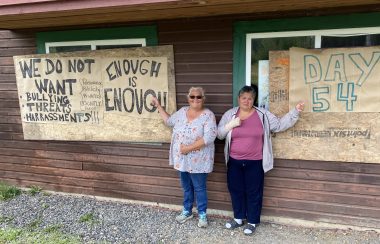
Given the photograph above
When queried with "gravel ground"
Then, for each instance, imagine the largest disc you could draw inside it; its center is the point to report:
(118, 222)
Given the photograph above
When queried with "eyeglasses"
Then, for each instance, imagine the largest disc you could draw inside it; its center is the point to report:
(193, 97)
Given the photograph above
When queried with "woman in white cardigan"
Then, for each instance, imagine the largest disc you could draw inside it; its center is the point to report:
(248, 154)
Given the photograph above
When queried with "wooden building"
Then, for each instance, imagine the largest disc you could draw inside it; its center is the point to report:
(209, 40)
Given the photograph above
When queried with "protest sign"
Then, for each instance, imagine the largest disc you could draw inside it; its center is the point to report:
(338, 133)
(97, 95)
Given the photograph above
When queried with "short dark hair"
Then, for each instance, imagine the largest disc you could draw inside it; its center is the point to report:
(250, 89)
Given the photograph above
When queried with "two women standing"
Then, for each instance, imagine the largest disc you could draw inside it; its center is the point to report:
(248, 153)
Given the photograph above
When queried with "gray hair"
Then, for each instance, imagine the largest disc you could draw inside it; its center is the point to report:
(197, 88)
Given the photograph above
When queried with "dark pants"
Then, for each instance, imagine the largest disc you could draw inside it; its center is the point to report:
(245, 179)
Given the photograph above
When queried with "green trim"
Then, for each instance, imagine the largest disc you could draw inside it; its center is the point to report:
(147, 32)
(242, 28)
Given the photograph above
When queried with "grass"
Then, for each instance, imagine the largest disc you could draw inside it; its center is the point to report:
(9, 235)
(35, 223)
(46, 194)
(51, 236)
(34, 190)
(8, 191)
(5, 219)
(45, 206)
(33, 233)
(53, 228)
(88, 217)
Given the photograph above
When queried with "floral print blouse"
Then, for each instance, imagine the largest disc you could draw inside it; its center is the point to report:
(185, 132)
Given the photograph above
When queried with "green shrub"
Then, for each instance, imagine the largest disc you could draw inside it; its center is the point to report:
(8, 191)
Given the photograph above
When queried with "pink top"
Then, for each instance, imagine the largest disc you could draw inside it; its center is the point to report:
(247, 139)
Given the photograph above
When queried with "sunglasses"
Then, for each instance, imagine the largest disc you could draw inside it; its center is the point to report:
(193, 97)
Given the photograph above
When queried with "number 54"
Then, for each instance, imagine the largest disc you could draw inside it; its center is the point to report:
(321, 104)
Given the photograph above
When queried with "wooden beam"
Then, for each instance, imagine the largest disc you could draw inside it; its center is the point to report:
(70, 13)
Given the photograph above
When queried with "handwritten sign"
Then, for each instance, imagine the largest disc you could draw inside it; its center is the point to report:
(98, 95)
(349, 136)
(336, 80)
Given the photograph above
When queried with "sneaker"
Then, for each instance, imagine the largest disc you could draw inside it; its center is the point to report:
(184, 216)
(202, 222)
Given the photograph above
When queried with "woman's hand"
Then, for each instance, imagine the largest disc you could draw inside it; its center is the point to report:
(184, 149)
(232, 124)
(300, 106)
(155, 102)
(197, 145)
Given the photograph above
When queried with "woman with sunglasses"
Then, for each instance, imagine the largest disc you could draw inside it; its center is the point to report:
(192, 151)
(248, 154)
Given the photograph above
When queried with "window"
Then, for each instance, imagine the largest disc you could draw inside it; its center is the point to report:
(96, 39)
(54, 47)
(254, 39)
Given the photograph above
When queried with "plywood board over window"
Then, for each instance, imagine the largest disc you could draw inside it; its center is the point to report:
(350, 136)
(279, 82)
(96, 95)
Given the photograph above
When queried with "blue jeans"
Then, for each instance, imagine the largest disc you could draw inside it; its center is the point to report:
(194, 183)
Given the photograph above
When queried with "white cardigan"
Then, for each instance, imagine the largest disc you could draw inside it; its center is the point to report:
(270, 123)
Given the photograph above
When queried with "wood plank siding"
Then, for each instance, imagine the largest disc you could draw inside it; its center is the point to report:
(334, 192)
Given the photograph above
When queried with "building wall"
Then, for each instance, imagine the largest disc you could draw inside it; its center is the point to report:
(335, 192)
